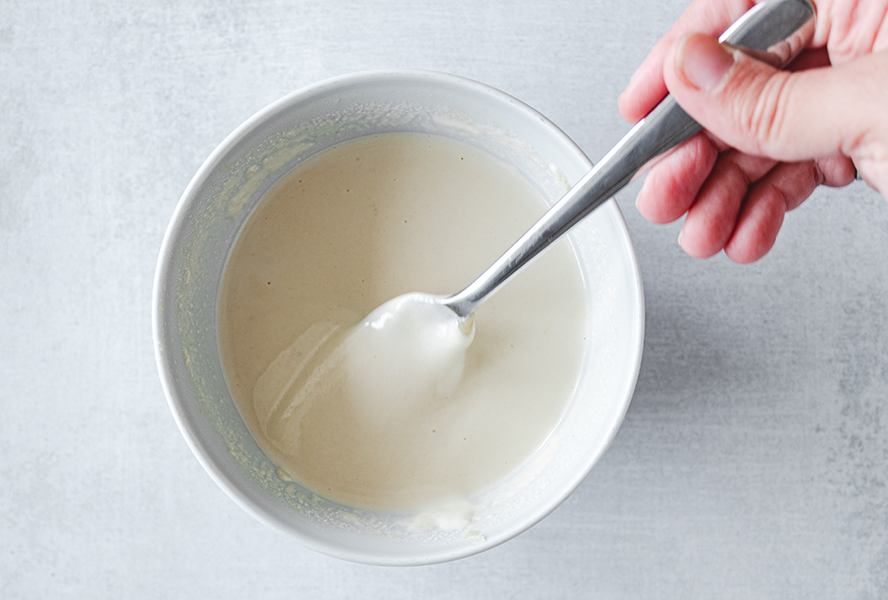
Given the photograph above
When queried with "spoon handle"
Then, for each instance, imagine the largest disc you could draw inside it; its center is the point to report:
(774, 31)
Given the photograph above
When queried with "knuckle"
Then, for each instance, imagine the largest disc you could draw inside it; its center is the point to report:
(760, 111)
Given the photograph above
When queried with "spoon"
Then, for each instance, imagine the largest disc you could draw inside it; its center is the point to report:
(774, 31)
(413, 347)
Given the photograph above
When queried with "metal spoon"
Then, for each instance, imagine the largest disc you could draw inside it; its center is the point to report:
(774, 31)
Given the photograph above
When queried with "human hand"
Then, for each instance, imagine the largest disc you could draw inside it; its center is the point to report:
(770, 137)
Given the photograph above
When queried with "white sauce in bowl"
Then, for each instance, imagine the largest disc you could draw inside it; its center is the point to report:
(400, 409)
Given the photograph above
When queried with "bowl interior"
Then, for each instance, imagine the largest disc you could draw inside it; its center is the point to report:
(205, 226)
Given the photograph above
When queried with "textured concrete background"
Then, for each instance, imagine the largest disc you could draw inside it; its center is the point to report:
(753, 461)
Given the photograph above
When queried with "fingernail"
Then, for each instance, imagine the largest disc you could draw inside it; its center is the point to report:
(703, 61)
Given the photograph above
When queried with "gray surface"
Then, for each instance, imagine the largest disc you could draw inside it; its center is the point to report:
(753, 459)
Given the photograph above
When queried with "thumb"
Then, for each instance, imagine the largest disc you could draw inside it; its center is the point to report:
(761, 110)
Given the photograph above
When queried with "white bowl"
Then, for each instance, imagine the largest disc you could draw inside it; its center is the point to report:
(203, 230)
